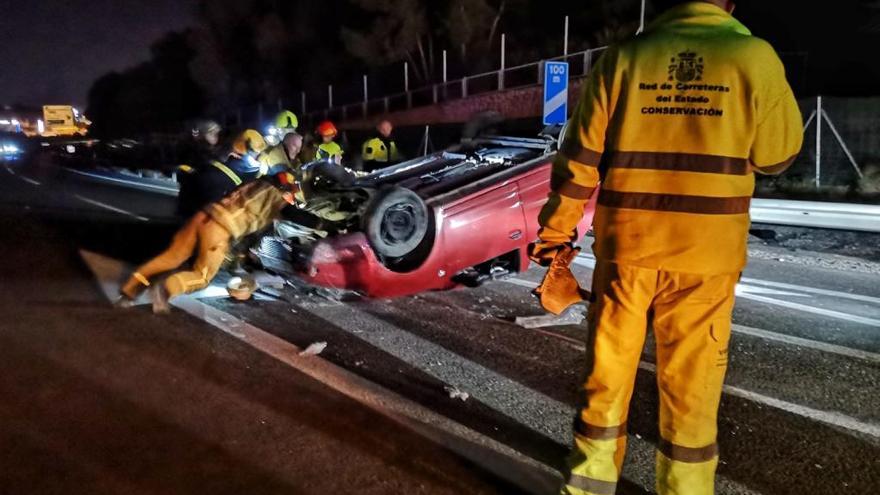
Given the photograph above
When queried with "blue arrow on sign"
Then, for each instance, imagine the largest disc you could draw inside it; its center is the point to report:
(555, 93)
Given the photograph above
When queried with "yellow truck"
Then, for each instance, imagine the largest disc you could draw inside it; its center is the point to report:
(63, 120)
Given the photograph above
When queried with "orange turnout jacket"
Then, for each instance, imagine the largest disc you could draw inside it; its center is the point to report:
(675, 123)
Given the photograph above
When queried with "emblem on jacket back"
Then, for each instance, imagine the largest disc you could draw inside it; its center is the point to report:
(686, 67)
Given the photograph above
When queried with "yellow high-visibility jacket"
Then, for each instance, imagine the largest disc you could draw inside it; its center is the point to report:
(675, 122)
(379, 149)
(328, 150)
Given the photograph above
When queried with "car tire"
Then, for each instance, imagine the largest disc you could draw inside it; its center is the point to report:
(395, 223)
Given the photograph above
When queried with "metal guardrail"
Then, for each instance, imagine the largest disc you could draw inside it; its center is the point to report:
(160, 186)
(520, 76)
(838, 216)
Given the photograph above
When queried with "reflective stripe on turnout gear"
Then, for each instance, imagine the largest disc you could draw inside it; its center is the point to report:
(599, 432)
(592, 486)
(688, 454)
(228, 171)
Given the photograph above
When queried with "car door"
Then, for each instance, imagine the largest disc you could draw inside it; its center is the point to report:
(482, 226)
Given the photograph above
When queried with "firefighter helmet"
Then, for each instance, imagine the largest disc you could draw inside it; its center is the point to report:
(327, 129)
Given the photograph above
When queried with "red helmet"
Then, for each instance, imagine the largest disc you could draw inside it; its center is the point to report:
(327, 129)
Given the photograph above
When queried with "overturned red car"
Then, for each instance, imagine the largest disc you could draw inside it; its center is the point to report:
(451, 219)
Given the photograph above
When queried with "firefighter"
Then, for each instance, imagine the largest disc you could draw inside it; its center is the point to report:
(328, 149)
(276, 158)
(218, 178)
(285, 123)
(208, 235)
(675, 123)
(196, 156)
(380, 150)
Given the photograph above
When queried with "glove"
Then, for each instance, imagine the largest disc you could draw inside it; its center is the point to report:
(544, 252)
(560, 289)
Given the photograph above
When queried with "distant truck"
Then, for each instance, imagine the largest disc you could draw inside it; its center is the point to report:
(63, 120)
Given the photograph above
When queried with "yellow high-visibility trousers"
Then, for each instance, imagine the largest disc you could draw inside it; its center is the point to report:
(201, 231)
(691, 317)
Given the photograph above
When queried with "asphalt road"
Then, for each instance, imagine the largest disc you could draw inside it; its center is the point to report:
(125, 401)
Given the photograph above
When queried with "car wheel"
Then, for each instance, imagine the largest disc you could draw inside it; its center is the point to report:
(395, 222)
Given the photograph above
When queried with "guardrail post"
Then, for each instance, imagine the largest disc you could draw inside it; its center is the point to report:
(329, 96)
(385, 101)
(434, 89)
(588, 61)
(464, 91)
(303, 102)
(565, 42)
(366, 96)
(540, 71)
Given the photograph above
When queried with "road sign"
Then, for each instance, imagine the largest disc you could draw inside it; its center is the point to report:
(555, 93)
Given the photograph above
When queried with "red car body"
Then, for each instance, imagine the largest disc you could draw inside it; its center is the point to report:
(494, 217)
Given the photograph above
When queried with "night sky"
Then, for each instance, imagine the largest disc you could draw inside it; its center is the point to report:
(52, 51)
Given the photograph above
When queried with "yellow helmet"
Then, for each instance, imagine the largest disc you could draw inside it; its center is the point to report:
(286, 121)
(249, 141)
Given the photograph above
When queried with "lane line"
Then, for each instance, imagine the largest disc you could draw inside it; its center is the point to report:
(30, 181)
(813, 290)
(829, 418)
(502, 460)
(521, 403)
(765, 334)
(743, 291)
(811, 309)
(111, 208)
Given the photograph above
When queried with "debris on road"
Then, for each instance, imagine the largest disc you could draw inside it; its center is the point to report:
(575, 315)
(455, 393)
(314, 349)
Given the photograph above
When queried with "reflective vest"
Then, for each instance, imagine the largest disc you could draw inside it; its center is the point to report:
(328, 150)
(379, 149)
(675, 122)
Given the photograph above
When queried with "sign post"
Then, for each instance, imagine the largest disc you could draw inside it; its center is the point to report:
(555, 93)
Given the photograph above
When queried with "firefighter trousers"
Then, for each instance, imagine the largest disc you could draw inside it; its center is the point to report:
(200, 234)
(691, 317)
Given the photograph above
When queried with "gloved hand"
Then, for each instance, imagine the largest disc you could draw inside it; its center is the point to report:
(560, 288)
(543, 252)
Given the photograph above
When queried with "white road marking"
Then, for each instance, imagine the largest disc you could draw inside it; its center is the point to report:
(111, 208)
(813, 290)
(497, 457)
(763, 334)
(809, 344)
(30, 181)
(812, 309)
(746, 291)
(517, 401)
(829, 418)
(480, 449)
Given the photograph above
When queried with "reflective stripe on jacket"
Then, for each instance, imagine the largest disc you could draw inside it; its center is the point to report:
(675, 122)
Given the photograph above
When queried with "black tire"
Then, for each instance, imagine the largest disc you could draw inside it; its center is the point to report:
(395, 222)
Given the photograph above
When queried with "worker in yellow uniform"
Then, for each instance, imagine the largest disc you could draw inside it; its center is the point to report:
(380, 151)
(275, 159)
(208, 235)
(674, 123)
(328, 149)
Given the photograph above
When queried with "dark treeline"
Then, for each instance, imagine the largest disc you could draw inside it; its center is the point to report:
(241, 52)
